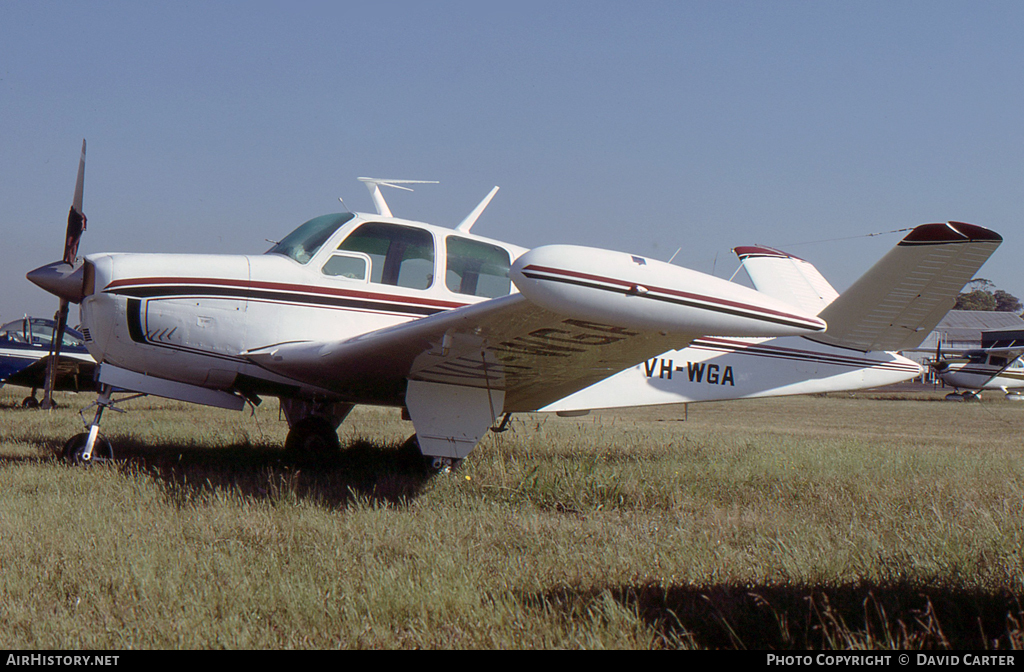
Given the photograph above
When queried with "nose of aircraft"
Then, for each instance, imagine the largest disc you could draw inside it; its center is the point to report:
(60, 279)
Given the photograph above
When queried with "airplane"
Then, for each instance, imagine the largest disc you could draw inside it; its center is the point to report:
(456, 329)
(995, 366)
(25, 346)
(892, 307)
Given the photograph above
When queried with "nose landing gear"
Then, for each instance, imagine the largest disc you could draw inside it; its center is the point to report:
(90, 447)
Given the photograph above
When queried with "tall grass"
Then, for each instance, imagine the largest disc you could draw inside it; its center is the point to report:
(825, 522)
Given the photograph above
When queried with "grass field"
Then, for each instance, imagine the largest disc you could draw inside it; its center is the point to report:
(866, 521)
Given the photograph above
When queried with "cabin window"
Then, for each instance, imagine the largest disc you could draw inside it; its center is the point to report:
(302, 243)
(399, 255)
(997, 361)
(352, 266)
(476, 268)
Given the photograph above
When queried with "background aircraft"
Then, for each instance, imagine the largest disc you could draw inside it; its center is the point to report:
(994, 366)
(454, 328)
(25, 346)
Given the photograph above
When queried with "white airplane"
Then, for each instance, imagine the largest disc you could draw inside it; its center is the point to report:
(995, 366)
(892, 307)
(358, 308)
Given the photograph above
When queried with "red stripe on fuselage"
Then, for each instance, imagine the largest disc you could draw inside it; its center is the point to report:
(281, 286)
(779, 352)
(671, 292)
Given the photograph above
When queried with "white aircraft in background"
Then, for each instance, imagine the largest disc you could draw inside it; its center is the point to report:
(995, 366)
(892, 307)
(456, 329)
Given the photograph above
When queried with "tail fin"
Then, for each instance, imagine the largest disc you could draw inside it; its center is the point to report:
(898, 302)
(787, 278)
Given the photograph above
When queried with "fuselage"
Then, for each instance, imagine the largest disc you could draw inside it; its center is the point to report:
(982, 370)
(715, 369)
(187, 317)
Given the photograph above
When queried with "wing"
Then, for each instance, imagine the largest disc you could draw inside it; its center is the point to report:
(898, 302)
(534, 355)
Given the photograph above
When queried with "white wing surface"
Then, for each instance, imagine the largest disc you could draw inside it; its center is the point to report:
(898, 302)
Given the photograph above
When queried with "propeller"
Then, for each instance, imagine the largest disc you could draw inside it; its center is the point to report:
(939, 363)
(76, 225)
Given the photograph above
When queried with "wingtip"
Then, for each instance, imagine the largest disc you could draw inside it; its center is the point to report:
(748, 251)
(950, 232)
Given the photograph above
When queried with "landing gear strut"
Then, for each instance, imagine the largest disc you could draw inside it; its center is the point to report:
(89, 447)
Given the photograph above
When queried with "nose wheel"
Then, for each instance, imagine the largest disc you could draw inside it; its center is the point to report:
(74, 450)
(89, 447)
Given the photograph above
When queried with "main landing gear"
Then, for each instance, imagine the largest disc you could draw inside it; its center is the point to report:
(313, 428)
(312, 437)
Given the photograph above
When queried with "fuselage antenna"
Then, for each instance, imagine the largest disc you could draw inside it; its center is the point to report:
(374, 184)
(466, 224)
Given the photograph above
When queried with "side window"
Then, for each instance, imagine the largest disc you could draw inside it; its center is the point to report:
(350, 265)
(399, 255)
(476, 268)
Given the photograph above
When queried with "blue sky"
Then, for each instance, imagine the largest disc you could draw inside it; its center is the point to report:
(640, 126)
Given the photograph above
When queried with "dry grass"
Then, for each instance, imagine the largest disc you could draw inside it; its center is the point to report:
(875, 521)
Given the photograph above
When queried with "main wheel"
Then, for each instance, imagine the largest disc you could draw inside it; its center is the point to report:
(74, 450)
(311, 438)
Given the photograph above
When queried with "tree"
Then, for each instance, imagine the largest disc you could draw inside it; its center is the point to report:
(981, 294)
(979, 299)
(1007, 302)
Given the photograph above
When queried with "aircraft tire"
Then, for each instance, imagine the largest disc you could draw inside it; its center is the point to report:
(312, 438)
(75, 446)
(30, 402)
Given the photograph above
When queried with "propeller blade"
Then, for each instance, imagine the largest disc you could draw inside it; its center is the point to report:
(76, 225)
(76, 218)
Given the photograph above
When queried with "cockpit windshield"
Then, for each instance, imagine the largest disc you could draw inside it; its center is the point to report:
(302, 243)
(38, 331)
